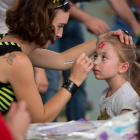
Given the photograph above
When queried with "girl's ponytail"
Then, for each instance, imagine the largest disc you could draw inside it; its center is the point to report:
(134, 75)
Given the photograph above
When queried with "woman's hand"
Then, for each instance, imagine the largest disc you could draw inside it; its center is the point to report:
(41, 80)
(124, 38)
(80, 69)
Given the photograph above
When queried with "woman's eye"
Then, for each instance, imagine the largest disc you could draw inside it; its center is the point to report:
(59, 27)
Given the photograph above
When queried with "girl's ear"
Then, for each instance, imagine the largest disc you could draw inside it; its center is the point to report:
(124, 67)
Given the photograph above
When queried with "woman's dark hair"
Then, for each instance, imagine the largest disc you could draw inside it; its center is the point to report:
(32, 20)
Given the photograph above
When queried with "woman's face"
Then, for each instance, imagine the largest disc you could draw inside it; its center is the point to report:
(60, 20)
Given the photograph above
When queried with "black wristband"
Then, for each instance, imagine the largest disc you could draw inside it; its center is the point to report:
(70, 86)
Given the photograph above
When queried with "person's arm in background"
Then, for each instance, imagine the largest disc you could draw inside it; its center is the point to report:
(93, 24)
(122, 9)
(41, 80)
(17, 121)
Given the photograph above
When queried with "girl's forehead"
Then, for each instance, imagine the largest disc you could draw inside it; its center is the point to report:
(104, 46)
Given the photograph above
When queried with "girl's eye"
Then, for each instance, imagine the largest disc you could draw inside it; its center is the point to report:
(104, 57)
(95, 57)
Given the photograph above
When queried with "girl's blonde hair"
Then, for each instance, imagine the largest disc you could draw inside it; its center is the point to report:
(126, 53)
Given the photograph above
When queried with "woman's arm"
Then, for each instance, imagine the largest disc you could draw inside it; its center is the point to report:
(21, 77)
(51, 60)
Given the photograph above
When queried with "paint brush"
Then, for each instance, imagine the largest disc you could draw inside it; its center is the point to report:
(73, 61)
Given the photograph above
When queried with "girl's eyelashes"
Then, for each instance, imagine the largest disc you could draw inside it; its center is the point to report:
(104, 57)
(95, 57)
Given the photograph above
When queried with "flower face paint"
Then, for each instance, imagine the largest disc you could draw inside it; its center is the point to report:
(101, 45)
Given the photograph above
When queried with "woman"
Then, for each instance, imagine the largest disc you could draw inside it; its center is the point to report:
(33, 25)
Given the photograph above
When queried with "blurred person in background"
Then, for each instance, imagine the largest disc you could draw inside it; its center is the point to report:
(16, 123)
(121, 24)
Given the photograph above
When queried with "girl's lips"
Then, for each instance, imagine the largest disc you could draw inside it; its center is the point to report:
(96, 71)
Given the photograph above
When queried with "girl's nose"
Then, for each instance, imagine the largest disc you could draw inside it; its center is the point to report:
(95, 62)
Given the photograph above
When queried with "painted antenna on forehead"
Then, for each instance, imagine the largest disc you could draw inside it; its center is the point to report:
(54, 1)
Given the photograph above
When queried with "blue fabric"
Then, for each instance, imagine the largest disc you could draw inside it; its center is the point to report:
(72, 36)
(120, 24)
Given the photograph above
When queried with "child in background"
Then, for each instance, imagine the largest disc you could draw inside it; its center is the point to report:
(115, 63)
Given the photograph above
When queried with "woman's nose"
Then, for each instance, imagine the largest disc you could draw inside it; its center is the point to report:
(59, 34)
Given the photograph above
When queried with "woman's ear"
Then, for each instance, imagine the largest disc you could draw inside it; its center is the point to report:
(124, 67)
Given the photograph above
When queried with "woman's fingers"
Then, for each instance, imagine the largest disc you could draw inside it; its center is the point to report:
(88, 63)
(124, 38)
(84, 60)
(119, 33)
(80, 69)
(130, 40)
(89, 67)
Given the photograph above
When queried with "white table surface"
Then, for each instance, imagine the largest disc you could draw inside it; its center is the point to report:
(32, 132)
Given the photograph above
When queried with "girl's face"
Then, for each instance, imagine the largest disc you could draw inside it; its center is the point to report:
(60, 20)
(106, 62)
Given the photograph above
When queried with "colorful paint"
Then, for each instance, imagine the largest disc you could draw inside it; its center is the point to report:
(101, 45)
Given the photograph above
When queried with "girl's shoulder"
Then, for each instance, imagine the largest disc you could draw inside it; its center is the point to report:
(104, 93)
(106, 90)
(128, 92)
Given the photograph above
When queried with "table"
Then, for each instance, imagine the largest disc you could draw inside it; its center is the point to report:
(31, 132)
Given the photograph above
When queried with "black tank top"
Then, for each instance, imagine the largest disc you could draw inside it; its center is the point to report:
(6, 92)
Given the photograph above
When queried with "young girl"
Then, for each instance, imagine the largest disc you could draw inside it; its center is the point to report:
(115, 63)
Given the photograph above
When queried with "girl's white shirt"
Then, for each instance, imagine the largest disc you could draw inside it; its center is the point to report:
(124, 98)
(4, 6)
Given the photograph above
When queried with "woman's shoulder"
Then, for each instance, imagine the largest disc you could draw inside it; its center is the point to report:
(15, 64)
(15, 61)
(19, 59)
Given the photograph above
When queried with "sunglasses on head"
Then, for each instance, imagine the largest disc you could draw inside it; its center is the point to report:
(65, 5)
